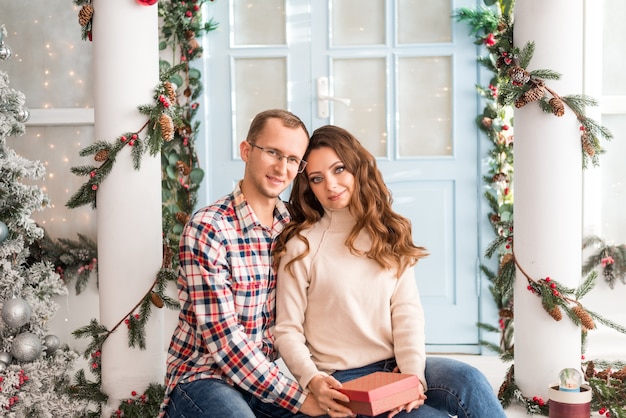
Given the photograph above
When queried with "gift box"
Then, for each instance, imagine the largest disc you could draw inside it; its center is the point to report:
(380, 392)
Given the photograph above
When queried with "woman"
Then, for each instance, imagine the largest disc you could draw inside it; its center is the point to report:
(347, 301)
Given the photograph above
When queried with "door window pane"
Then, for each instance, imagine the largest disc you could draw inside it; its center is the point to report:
(424, 106)
(613, 184)
(362, 81)
(260, 83)
(260, 22)
(424, 21)
(358, 22)
(613, 66)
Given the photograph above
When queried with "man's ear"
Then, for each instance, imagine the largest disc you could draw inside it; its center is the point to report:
(244, 150)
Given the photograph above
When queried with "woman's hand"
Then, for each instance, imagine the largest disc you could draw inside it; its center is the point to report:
(324, 389)
(411, 405)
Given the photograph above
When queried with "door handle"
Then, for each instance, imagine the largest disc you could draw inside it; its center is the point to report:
(323, 99)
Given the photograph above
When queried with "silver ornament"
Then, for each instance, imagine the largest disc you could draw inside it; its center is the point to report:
(22, 115)
(6, 358)
(4, 231)
(3, 367)
(26, 347)
(5, 52)
(52, 343)
(16, 312)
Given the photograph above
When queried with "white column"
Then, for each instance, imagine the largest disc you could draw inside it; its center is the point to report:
(125, 46)
(548, 195)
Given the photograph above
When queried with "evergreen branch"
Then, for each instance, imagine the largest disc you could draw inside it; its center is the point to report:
(490, 346)
(480, 20)
(99, 333)
(526, 54)
(609, 323)
(545, 74)
(587, 285)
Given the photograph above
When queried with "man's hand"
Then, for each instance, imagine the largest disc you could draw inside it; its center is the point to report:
(311, 407)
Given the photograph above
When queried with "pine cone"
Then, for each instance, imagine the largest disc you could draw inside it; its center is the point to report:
(506, 259)
(534, 93)
(168, 255)
(193, 44)
(85, 14)
(585, 318)
(189, 34)
(498, 177)
(555, 313)
(587, 145)
(167, 127)
(184, 130)
(558, 108)
(604, 374)
(620, 374)
(156, 300)
(590, 370)
(182, 217)
(519, 76)
(487, 122)
(171, 92)
(183, 167)
(520, 102)
(101, 155)
(506, 313)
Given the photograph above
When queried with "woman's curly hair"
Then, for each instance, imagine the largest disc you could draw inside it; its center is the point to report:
(391, 236)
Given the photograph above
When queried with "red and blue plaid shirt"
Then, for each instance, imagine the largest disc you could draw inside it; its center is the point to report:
(227, 290)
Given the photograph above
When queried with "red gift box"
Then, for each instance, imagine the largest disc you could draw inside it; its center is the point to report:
(380, 392)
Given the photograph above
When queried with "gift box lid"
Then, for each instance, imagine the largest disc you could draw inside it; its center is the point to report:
(378, 385)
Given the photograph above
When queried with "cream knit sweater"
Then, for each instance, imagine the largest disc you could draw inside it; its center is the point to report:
(340, 311)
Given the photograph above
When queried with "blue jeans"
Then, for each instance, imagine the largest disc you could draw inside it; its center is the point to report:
(214, 398)
(454, 389)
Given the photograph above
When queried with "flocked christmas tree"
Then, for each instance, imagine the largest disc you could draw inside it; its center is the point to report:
(34, 369)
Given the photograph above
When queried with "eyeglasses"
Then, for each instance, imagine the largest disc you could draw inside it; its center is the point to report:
(271, 155)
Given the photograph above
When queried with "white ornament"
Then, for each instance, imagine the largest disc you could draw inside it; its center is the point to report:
(26, 347)
(16, 312)
(6, 358)
(52, 343)
(22, 115)
(5, 52)
(4, 231)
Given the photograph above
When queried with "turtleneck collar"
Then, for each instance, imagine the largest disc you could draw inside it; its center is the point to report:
(339, 218)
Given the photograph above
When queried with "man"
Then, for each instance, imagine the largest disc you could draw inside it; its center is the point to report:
(221, 357)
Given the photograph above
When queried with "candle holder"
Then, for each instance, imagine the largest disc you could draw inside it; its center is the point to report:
(570, 398)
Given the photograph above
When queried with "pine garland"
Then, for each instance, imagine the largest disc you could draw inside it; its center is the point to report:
(170, 130)
(513, 85)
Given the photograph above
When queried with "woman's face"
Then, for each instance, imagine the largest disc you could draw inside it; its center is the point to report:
(328, 178)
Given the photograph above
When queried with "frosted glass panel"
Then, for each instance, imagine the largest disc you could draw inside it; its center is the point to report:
(50, 64)
(613, 184)
(58, 150)
(358, 22)
(260, 22)
(424, 21)
(614, 65)
(425, 106)
(260, 83)
(362, 81)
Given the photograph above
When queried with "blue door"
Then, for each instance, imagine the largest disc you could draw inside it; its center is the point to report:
(399, 75)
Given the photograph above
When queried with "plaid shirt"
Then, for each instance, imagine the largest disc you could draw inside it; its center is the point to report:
(227, 289)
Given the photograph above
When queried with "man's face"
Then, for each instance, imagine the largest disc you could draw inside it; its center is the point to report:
(267, 170)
